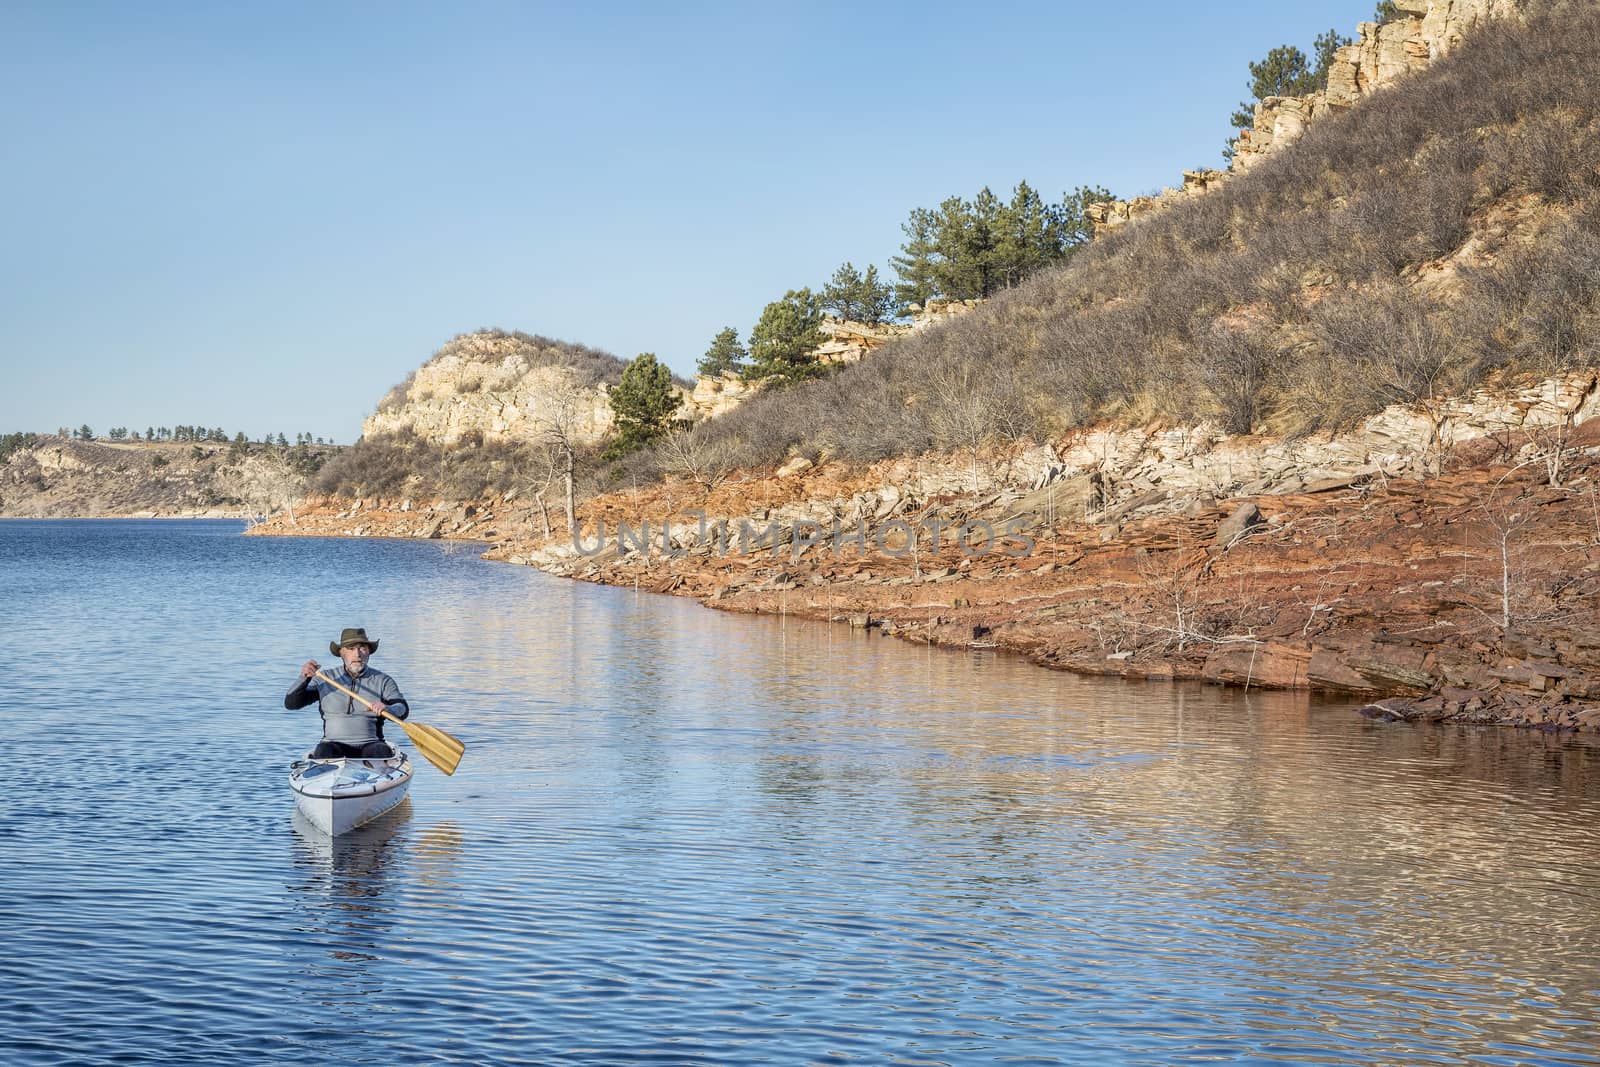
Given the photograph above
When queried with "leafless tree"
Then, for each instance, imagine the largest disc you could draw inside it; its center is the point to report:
(561, 422)
(704, 458)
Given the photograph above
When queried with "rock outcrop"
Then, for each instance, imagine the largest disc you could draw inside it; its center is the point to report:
(714, 396)
(502, 386)
(850, 342)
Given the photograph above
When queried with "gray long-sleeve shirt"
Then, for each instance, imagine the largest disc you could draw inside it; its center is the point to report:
(343, 717)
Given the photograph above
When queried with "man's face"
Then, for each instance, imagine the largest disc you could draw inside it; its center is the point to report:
(355, 658)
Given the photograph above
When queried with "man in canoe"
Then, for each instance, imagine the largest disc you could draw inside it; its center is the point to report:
(350, 728)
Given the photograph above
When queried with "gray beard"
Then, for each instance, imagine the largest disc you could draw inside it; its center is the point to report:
(357, 671)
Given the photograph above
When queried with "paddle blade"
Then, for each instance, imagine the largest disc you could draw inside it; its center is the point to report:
(440, 749)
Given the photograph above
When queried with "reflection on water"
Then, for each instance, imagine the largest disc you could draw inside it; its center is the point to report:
(683, 837)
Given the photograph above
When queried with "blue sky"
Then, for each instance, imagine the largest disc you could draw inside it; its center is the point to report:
(261, 216)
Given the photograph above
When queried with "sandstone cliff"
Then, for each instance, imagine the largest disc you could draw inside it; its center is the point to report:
(495, 385)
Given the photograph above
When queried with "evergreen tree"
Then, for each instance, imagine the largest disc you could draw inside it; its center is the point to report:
(964, 240)
(914, 266)
(84, 433)
(150, 434)
(117, 433)
(784, 340)
(726, 355)
(1326, 47)
(1385, 12)
(643, 402)
(858, 297)
(1028, 236)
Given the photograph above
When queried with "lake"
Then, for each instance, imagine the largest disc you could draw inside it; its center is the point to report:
(684, 837)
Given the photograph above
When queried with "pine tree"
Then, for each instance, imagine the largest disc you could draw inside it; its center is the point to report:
(858, 297)
(915, 266)
(643, 402)
(1028, 236)
(783, 341)
(725, 356)
(963, 242)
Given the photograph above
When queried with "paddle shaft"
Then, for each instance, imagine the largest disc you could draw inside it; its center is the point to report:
(352, 694)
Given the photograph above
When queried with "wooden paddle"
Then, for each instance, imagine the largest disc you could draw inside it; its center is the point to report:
(442, 750)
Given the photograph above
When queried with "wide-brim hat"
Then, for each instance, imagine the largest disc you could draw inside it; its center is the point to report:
(352, 635)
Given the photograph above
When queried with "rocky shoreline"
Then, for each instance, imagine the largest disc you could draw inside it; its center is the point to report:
(1465, 597)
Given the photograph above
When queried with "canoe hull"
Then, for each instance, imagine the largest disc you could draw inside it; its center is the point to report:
(338, 795)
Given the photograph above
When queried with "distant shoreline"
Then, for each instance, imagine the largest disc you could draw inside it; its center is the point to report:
(140, 516)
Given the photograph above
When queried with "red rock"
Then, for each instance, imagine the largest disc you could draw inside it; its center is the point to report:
(1270, 665)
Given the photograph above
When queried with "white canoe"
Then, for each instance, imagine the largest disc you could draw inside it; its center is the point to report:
(338, 795)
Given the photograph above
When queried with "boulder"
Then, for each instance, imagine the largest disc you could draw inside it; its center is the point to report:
(1244, 517)
(1268, 665)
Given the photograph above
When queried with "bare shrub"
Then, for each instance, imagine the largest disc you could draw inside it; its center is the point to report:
(1236, 367)
(1097, 363)
(697, 454)
(1388, 346)
(1538, 309)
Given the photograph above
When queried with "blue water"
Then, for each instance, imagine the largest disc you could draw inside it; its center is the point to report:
(681, 837)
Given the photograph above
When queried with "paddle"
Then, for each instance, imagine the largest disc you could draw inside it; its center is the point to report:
(442, 750)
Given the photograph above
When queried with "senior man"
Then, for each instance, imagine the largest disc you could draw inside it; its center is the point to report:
(350, 728)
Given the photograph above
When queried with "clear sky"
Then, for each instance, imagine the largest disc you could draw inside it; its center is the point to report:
(260, 216)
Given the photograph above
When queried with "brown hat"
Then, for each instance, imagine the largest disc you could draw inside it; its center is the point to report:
(352, 635)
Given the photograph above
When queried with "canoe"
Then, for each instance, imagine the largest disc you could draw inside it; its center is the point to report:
(338, 795)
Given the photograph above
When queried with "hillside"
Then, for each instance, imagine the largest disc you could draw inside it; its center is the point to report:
(60, 477)
(1438, 231)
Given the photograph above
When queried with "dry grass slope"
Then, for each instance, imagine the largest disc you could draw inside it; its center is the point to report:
(1444, 229)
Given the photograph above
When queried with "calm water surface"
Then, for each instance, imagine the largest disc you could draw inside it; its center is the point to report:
(680, 837)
